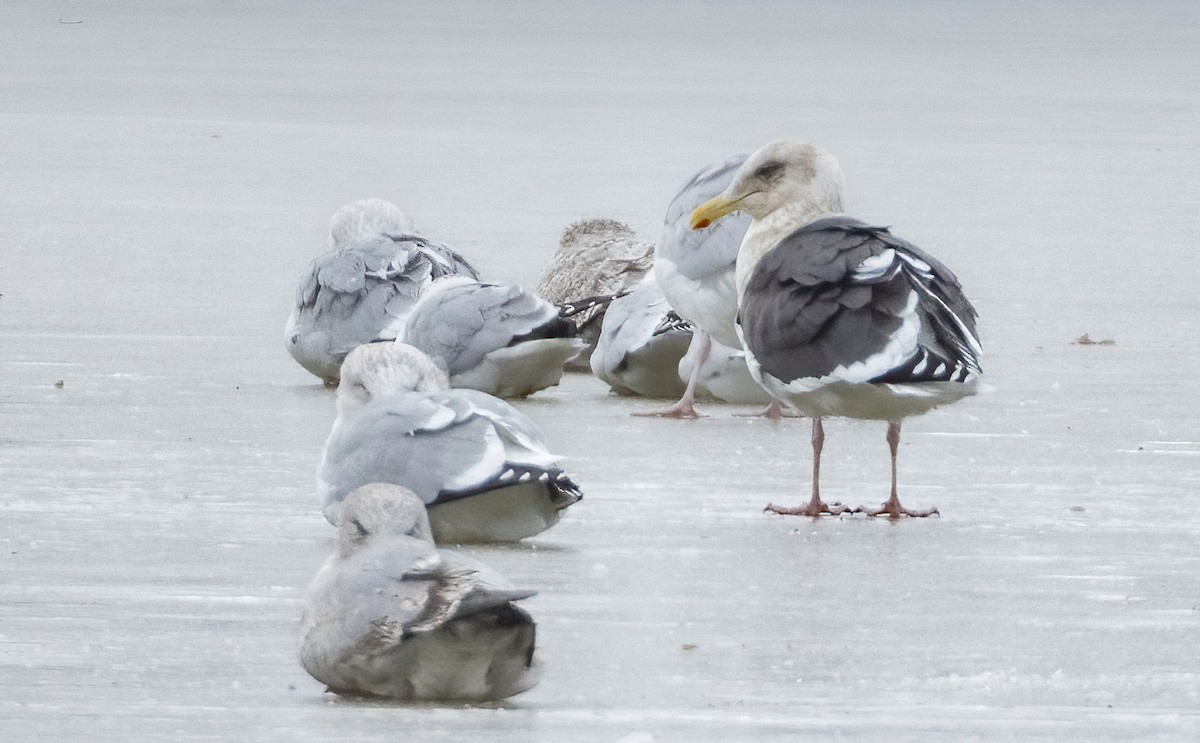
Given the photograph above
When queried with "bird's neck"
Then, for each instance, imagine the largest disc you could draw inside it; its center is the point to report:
(765, 233)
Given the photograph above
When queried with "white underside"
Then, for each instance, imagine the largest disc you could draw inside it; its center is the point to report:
(520, 370)
(709, 303)
(724, 376)
(501, 515)
(649, 371)
(887, 402)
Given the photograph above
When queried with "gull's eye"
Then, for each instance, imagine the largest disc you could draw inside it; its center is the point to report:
(362, 530)
(769, 171)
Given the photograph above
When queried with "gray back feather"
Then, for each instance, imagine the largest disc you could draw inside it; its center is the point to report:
(808, 309)
(429, 443)
(699, 253)
(629, 325)
(461, 324)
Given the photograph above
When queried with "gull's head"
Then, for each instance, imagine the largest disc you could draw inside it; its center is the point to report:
(380, 511)
(789, 175)
(375, 369)
(367, 218)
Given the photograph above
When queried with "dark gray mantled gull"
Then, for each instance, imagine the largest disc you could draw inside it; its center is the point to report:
(837, 317)
(695, 270)
(362, 291)
(595, 257)
(497, 339)
(479, 464)
(390, 615)
(367, 218)
(638, 350)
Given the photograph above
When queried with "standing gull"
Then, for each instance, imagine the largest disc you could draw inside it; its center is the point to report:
(596, 257)
(390, 615)
(478, 463)
(837, 317)
(362, 291)
(696, 271)
(497, 339)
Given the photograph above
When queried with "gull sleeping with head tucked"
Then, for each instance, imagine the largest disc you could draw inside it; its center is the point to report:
(497, 339)
(595, 258)
(390, 615)
(479, 464)
(364, 287)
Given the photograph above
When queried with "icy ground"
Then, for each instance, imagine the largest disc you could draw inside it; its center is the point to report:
(169, 168)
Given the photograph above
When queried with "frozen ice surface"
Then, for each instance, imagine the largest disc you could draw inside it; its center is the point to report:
(169, 170)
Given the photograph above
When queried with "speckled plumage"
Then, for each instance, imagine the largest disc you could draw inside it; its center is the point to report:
(595, 257)
(389, 614)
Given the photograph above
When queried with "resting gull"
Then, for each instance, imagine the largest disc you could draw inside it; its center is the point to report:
(362, 291)
(722, 374)
(641, 343)
(596, 257)
(480, 465)
(838, 317)
(497, 339)
(390, 615)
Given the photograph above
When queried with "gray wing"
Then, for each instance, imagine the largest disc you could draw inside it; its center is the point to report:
(364, 604)
(462, 324)
(839, 294)
(360, 293)
(699, 253)
(631, 323)
(410, 440)
(438, 445)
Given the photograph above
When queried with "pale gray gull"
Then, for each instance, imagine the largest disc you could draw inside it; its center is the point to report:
(390, 615)
(361, 292)
(494, 338)
(367, 218)
(595, 257)
(641, 343)
(479, 464)
(695, 271)
(838, 317)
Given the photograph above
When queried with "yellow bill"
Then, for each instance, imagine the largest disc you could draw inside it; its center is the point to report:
(712, 210)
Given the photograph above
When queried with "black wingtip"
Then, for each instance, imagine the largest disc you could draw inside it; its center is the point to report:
(575, 307)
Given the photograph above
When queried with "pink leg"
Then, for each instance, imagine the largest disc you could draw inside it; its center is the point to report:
(773, 412)
(815, 506)
(685, 407)
(892, 507)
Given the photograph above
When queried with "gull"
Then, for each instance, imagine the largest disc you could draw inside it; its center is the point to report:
(695, 270)
(839, 317)
(596, 257)
(494, 338)
(722, 374)
(390, 615)
(362, 289)
(641, 343)
(367, 218)
(480, 466)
